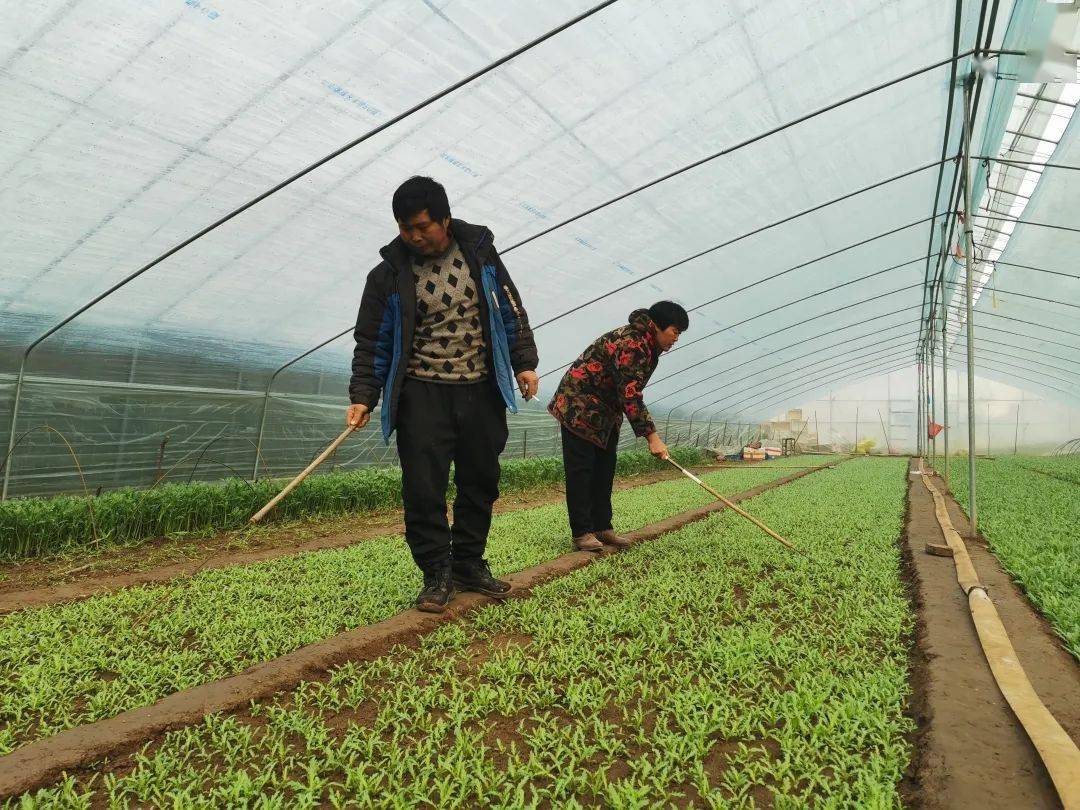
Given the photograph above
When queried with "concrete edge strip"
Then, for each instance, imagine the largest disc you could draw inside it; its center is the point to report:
(40, 763)
(1056, 748)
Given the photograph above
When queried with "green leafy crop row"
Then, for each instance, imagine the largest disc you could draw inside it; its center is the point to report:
(1030, 521)
(1064, 467)
(711, 666)
(35, 527)
(68, 664)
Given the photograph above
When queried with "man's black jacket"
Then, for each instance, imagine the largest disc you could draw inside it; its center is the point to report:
(387, 320)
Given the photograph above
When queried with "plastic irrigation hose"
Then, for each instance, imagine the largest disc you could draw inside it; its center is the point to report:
(1058, 752)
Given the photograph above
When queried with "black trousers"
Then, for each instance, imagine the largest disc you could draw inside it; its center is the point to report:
(590, 473)
(439, 423)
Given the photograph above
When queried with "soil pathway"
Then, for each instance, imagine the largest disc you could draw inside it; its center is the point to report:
(971, 750)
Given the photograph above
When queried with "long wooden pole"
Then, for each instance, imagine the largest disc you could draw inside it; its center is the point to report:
(729, 504)
(325, 454)
(881, 419)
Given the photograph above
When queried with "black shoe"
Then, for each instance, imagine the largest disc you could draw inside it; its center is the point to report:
(475, 576)
(437, 592)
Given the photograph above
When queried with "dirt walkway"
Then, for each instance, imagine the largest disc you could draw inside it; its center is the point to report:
(41, 762)
(971, 750)
(35, 583)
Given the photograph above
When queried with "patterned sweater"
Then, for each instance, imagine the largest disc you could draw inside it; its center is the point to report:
(607, 381)
(448, 345)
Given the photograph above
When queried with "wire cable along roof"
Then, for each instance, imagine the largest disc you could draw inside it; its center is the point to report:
(195, 190)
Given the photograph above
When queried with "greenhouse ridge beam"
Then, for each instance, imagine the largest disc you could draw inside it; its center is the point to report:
(269, 192)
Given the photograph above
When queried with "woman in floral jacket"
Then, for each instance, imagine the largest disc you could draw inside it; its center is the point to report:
(603, 384)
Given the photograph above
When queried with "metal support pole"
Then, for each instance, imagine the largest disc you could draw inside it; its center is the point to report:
(933, 392)
(856, 448)
(9, 457)
(266, 399)
(918, 405)
(969, 264)
(708, 434)
(929, 391)
(524, 443)
(944, 384)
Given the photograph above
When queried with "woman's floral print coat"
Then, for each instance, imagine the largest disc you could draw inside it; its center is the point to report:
(607, 381)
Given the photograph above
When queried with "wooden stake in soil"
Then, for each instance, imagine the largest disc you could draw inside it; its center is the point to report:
(325, 454)
(728, 503)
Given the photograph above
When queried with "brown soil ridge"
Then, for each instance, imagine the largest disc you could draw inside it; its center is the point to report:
(43, 761)
(97, 583)
(971, 751)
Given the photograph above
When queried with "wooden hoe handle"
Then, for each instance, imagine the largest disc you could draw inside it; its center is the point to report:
(325, 454)
(729, 504)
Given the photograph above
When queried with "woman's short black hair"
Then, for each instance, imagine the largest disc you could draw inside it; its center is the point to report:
(419, 194)
(668, 313)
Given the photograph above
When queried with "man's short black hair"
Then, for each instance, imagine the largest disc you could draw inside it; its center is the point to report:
(668, 313)
(419, 194)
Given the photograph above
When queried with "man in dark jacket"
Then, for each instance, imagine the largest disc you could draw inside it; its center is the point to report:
(600, 386)
(443, 336)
